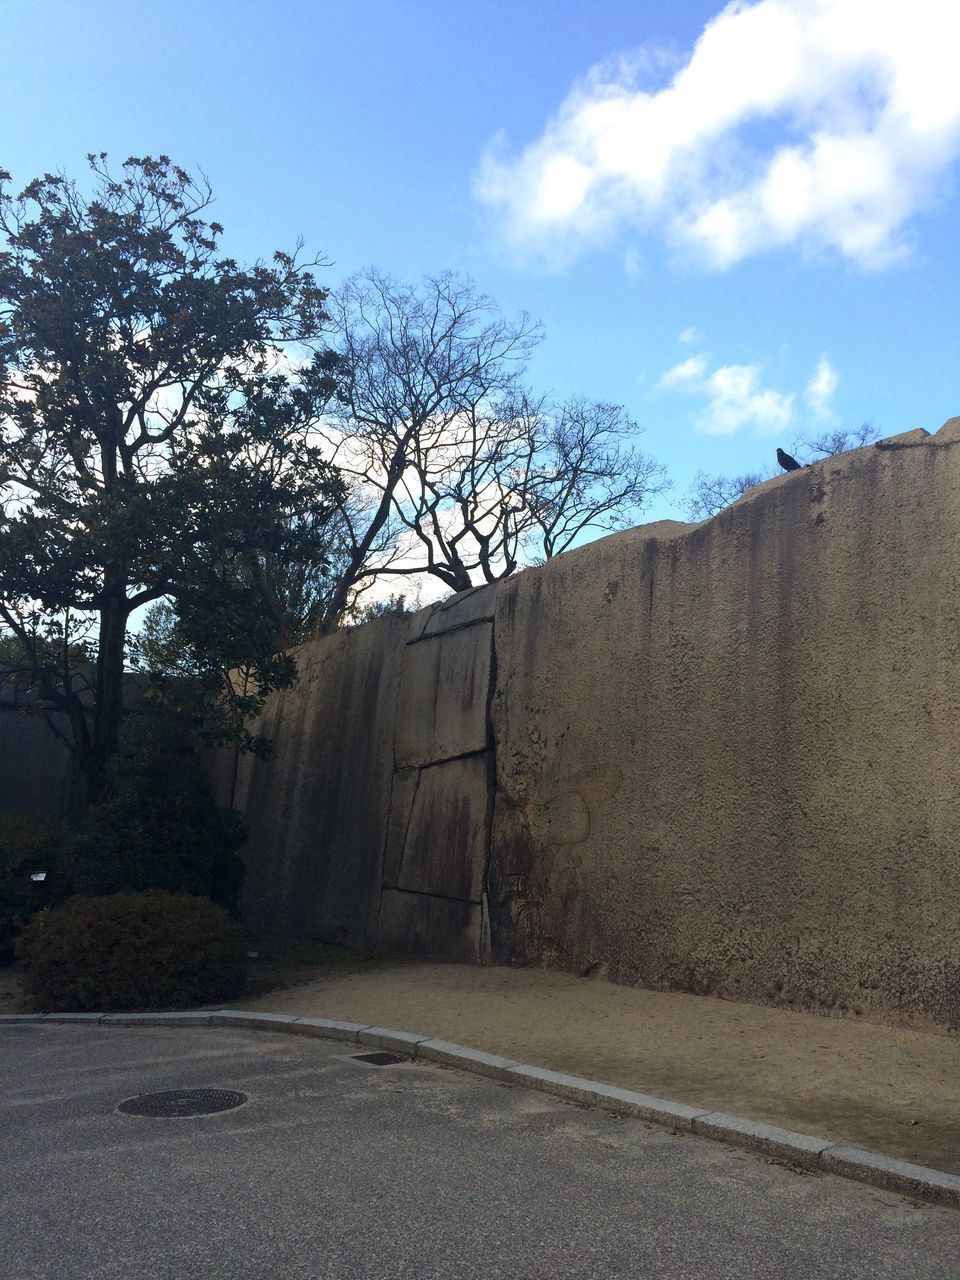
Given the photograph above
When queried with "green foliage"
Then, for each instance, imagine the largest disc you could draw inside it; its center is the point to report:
(27, 846)
(131, 951)
(157, 826)
(395, 605)
(19, 660)
(155, 441)
(198, 661)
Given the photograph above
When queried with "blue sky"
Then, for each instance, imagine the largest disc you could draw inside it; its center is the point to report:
(741, 223)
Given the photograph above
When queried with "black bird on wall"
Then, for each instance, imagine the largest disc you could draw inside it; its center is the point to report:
(788, 463)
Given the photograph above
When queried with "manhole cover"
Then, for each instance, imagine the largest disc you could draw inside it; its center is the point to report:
(183, 1102)
(379, 1059)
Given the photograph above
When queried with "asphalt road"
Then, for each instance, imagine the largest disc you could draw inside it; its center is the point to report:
(336, 1169)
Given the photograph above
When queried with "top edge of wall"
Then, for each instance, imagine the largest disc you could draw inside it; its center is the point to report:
(479, 603)
(461, 610)
(949, 433)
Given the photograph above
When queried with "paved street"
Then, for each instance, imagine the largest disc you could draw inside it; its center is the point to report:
(335, 1169)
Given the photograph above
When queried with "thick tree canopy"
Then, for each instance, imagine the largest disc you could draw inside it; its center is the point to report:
(152, 441)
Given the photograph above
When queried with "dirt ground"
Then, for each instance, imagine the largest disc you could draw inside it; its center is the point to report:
(889, 1089)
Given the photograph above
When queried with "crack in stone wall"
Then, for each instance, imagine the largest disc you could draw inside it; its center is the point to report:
(441, 798)
(721, 757)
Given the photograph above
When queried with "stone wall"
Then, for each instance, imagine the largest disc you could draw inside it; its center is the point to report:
(721, 757)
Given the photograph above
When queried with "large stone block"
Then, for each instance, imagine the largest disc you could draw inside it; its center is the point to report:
(905, 439)
(444, 687)
(700, 734)
(425, 925)
(405, 784)
(317, 809)
(448, 832)
(700, 745)
(461, 610)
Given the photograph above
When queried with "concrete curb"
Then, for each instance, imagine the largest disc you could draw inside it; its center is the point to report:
(764, 1139)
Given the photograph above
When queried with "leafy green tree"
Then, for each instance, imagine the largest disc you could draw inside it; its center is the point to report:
(154, 436)
(155, 825)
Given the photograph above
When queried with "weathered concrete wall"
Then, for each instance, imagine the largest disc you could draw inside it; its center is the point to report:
(38, 774)
(721, 757)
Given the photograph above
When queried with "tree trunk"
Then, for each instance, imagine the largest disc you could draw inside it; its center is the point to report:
(108, 709)
(337, 605)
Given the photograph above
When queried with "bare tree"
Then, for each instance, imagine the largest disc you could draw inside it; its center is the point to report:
(462, 468)
(413, 363)
(710, 494)
(836, 440)
(586, 474)
(457, 501)
(529, 475)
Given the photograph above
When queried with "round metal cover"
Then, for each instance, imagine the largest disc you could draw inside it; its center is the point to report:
(183, 1102)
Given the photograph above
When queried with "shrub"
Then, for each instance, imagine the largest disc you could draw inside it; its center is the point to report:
(27, 846)
(131, 951)
(157, 826)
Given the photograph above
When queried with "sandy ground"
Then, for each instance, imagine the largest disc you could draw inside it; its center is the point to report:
(888, 1089)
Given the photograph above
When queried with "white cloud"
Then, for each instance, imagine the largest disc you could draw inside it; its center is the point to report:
(733, 395)
(689, 335)
(820, 390)
(807, 123)
(688, 373)
(736, 400)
